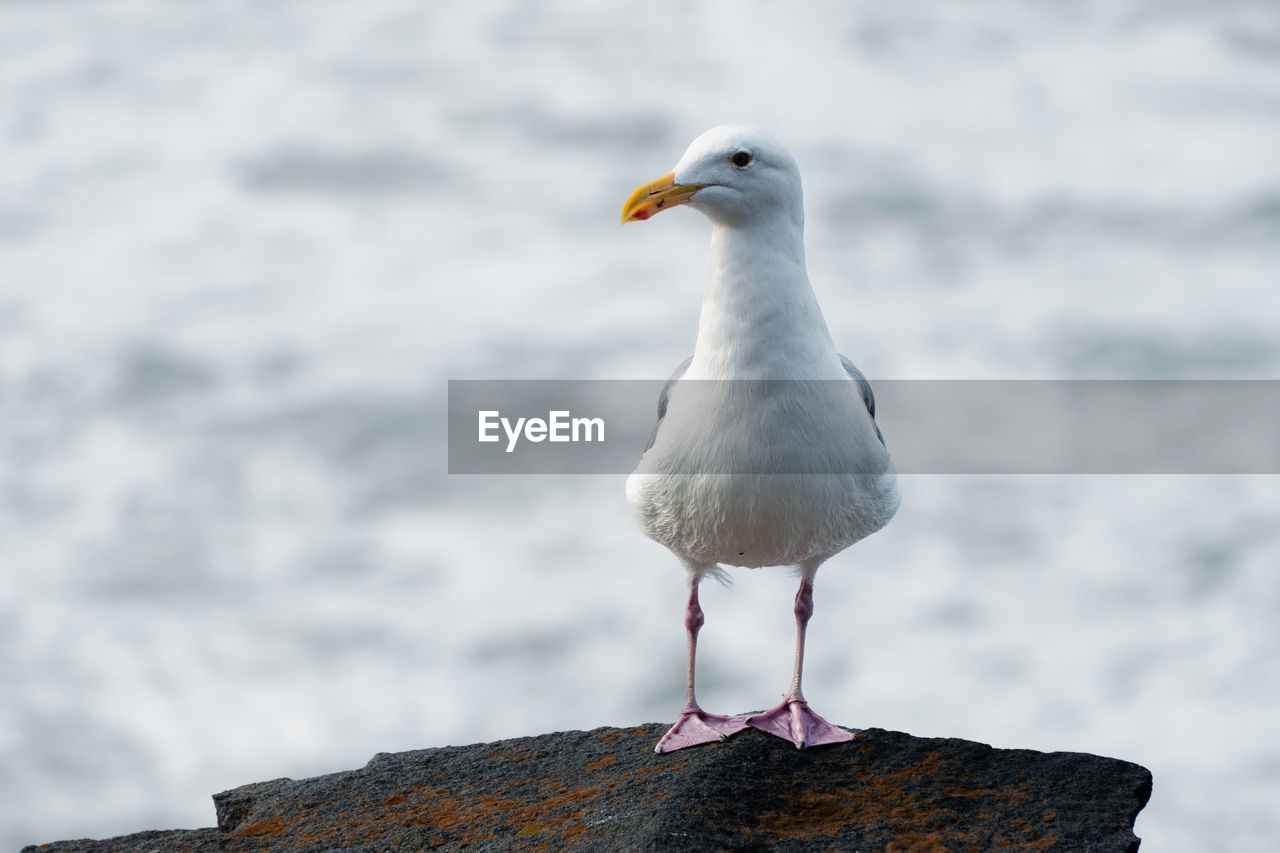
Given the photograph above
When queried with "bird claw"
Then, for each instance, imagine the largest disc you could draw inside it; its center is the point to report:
(793, 720)
(695, 726)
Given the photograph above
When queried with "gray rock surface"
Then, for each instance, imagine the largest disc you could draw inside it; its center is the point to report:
(607, 790)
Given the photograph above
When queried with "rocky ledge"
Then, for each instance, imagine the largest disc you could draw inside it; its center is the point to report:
(607, 790)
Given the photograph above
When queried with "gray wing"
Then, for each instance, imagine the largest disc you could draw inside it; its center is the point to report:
(864, 388)
(665, 394)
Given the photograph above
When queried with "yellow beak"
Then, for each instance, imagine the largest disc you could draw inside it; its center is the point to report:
(660, 195)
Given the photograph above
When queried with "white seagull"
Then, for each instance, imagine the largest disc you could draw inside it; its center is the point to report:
(766, 451)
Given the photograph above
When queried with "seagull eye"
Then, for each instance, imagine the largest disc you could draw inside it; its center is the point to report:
(741, 159)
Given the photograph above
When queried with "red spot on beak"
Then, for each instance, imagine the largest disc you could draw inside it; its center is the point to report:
(641, 215)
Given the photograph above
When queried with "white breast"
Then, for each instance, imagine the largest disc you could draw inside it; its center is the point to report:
(763, 473)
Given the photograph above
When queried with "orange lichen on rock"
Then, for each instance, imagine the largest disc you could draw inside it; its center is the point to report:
(916, 844)
(918, 805)
(476, 817)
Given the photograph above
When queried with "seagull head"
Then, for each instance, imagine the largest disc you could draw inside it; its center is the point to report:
(735, 175)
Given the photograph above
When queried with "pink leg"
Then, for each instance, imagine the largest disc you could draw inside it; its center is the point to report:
(793, 720)
(696, 726)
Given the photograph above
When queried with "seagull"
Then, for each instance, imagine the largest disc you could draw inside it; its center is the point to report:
(766, 451)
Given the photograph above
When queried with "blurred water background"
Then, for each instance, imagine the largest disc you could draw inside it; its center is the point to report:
(243, 246)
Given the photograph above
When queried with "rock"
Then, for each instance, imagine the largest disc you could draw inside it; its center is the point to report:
(607, 790)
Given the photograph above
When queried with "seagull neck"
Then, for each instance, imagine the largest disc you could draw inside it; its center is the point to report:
(760, 318)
